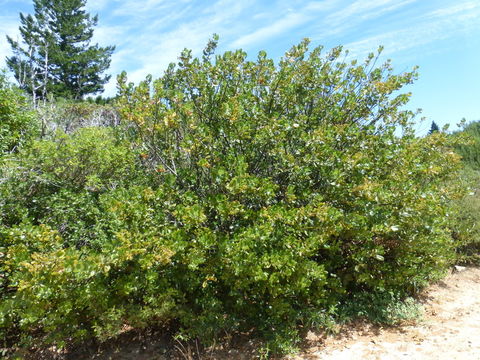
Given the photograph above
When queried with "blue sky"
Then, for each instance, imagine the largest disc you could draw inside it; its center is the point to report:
(441, 36)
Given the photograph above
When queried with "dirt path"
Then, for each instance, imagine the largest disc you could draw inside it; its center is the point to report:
(450, 329)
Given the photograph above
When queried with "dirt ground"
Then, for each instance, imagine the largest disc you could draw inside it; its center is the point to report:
(450, 329)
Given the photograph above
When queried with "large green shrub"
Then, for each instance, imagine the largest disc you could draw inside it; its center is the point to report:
(299, 169)
(305, 151)
(271, 195)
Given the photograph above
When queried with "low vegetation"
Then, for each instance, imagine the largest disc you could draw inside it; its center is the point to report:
(466, 220)
(235, 196)
(17, 125)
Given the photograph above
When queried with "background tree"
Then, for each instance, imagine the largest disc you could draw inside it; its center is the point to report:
(55, 55)
(30, 62)
(433, 128)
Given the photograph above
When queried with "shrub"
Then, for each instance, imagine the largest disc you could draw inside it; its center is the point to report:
(299, 171)
(17, 122)
(382, 308)
(466, 220)
(273, 192)
(55, 234)
(470, 151)
(57, 182)
(69, 116)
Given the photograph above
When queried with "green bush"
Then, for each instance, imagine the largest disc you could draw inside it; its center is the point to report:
(300, 162)
(381, 308)
(466, 219)
(57, 182)
(17, 122)
(470, 152)
(299, 170)
(54, 225)
(267, 194)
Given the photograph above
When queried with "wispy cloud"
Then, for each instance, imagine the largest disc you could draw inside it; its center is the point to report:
(423, 30)
(97, 5)
(361, 10)
(288, 19)
(135, 9)
(150, 34)
(278, 27)
(394, 41)
(457, 9)
(7, 2)
(341, 21)
(148, 47)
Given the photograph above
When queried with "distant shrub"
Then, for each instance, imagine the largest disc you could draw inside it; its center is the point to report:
(267, 194)
(17, 121)
(57, 182)
(68, 116)
(465, 219)
(470, 151)
(465, 212)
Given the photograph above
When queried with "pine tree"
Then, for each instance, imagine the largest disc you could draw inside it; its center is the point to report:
(55, 56)
(434, 128)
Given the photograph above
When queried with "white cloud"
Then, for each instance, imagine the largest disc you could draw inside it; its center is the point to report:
(149, 47)
(166, 28)
(97, 5)
(135, 9)
(278, 27)
(421, 31)
(455, 9)
(394, 41)
(291, 18)
(357, 8)
(150, 34)
(342, 21)
(105, 34)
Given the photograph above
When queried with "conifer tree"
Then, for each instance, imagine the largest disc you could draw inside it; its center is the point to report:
(434, 128)
(55, 55)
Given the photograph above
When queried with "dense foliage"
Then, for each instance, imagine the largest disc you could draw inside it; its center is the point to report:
(470, 151)
(17, 121)
(466, 219)
(238, 196)
(466, 222)
(55, 56)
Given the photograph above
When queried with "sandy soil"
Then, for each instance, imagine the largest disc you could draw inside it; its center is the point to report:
(450, 329)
